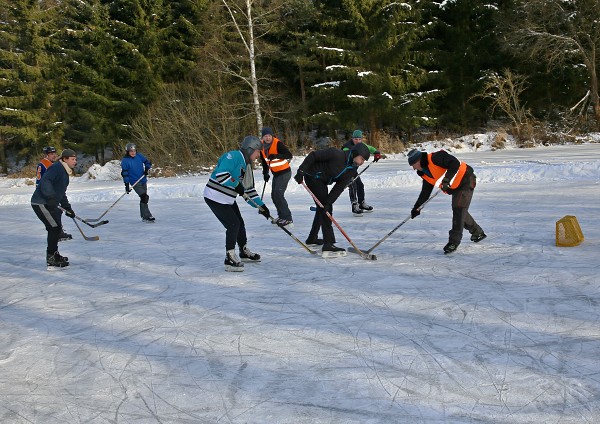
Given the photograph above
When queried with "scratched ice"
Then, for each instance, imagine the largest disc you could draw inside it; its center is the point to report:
(147, 327)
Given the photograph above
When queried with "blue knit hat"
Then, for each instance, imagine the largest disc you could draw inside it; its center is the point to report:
(265, 131)
(414, 156)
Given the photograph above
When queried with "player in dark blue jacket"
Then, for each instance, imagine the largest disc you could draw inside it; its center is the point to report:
(50, 193)
(134, 167)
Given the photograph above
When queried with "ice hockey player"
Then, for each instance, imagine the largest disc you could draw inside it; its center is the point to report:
(133, 166)
(231, 177)
(458, 180)
(357, 188)
(275, 156)
(320, 169)
(50, 193)
(49, 158)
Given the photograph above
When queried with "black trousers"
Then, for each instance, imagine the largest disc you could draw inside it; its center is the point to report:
(357, 191)
(51, 218)
(231, 218)
(321, 221)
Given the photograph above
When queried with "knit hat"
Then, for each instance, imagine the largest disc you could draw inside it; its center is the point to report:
(68, 153)
(414, 156)
(357, 134)
(362, 150)
(265, 131)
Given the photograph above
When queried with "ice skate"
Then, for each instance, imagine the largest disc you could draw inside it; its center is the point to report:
(284, 222)
(365, 207)
(55, 260)
(449, 248)
(331, 251)
(246, 255)
(314, 242)
(476, 238)
(232, 262)
(149, 220)
(356, 210)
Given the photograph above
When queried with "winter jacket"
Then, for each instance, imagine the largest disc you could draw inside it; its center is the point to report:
(330, 166)
(275, 156)
(233, 168)
(438, 165)
(350, 144)
(53, 187)
(41, 169)
(132, 168)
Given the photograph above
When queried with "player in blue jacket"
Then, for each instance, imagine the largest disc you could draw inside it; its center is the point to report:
(231, 177)
(133, 167)
(48, 195)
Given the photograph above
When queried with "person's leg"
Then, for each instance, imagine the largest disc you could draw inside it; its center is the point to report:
(278, 188)
(461, 199)
(321, 192)
(51, 218)
(228, 217)
(360, 190)
(142, 191)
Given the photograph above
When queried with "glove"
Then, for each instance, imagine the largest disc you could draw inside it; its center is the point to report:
(52, 202)
(146, 171)
(414, 213)
(376, 156)
(69, 212)
(127, 188)
(445, 184)
(328, 208)
(273, 156)
(299, 177)
(266, 177)
(239, 189)
(264, 211)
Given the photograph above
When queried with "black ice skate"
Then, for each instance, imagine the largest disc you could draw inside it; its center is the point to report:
(331, 251)
(247, 255)
(365, 207)
(64, 236)
(232, 262)
(449, 248)
(55, 260)
(356, 210)
(150, 219)
(476, 238)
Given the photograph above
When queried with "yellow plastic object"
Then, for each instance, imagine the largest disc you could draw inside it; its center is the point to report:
(568, 232)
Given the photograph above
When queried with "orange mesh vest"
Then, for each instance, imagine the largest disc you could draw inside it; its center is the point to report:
(438, 172)
(276, 165)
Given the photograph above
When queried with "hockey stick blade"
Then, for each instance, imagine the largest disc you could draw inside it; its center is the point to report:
(97, 224)
(362, 254)
(94, 238)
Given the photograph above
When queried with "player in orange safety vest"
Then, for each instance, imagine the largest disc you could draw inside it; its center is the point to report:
(458, 180)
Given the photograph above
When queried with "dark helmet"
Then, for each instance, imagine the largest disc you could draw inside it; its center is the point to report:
(362, 150)
(48, 149)
(250, 144)
(130, 146)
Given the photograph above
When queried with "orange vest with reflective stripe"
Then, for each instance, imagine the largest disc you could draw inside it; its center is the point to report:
(438, 172)
(45, 162)
(276, 165)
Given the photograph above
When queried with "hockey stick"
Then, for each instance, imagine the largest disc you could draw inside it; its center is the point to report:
(356, 249)
(87, 221)
(94, 238)
(313, 208)
(263, 191)
(402, 223)
(83, 220)
(289, 233)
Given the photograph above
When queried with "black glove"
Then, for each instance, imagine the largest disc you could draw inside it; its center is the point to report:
(445, 184)
(52, 202)
(264, 211)
(240, 189)
(69, 212)
(299, 177)
(376, 156)
(145, 171)
(328, 208)
(414, 212)
(127, 188)
(266, 177)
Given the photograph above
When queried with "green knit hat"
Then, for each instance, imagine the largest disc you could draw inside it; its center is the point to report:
(357, 134)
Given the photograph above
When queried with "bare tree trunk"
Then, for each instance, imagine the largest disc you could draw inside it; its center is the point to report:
(3, 162)
(251, 54)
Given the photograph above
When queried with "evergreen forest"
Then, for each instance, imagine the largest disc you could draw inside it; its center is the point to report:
(186, 80)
